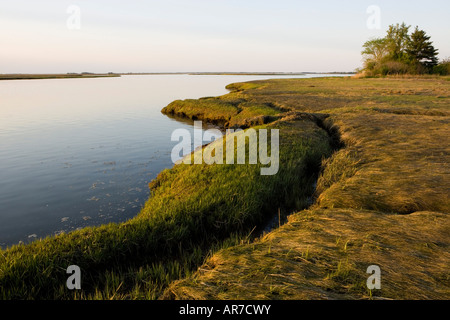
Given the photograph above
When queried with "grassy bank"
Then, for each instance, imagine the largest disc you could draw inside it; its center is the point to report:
(324, 254)
(381, 198)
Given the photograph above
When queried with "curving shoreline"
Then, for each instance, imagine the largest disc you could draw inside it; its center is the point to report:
(196, 210)
(192, 210)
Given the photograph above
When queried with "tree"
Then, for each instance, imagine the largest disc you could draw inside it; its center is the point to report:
(421, 49)
(400, 52)
(374, 53)
(375, 50)
(397, 40)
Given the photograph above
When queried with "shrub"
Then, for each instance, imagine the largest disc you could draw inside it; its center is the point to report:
(394, 67)
(443, 68)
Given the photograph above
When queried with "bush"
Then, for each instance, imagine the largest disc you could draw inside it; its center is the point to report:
(393, 68)
(387, 68)
(443, 68)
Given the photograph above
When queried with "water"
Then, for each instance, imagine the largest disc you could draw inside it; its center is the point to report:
(79, 152)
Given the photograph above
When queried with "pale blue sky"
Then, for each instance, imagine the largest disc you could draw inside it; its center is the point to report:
(201, 35)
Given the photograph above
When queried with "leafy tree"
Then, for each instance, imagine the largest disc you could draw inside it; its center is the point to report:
(421, 49)
(375, 50)
(397, 40)
(400, 52)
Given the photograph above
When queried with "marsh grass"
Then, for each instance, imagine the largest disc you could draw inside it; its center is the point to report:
(394, 132)
(395, 164)
(230, 111)
(211, 110)
(382, 198)
(309, 263)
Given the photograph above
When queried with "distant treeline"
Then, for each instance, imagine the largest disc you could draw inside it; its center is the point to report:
(402, 52)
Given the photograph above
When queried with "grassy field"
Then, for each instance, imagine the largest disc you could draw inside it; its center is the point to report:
(380, 151)
(382, 198)
(324, 254)
(55, 76)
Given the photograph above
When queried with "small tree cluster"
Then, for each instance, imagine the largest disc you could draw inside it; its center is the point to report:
(400, 52)
(443, 68)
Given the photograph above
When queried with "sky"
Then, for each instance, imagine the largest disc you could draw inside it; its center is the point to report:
(62, 36)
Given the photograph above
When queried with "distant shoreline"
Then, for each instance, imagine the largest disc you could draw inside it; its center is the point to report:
(18, 76)
(56, 76)
(234, 73)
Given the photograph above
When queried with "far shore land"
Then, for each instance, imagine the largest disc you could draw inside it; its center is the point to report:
(362, 183)
(20, 76)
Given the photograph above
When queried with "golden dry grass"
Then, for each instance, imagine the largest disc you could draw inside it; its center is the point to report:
(325, 253)
(382, 199)
(400, 163)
